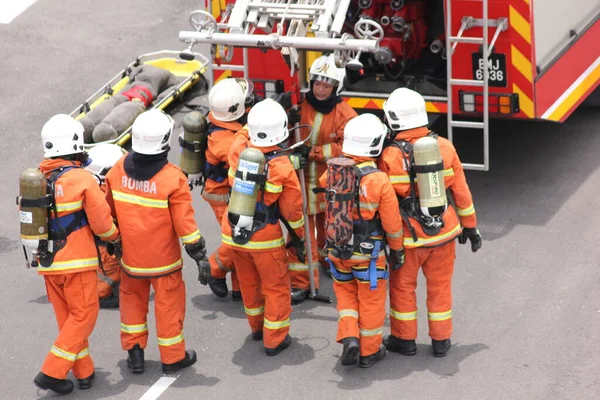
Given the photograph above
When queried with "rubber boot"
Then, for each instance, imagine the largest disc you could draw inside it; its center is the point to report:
(135, 361)
(287, 341)
(236, 295)
(351, 351)
(112, 301)
(189, 359)
(369, 361)
(86, 383)
(60, 386)
(218, 286)
(299, 295)
(396, 345)
(440, 347)
(258, 335)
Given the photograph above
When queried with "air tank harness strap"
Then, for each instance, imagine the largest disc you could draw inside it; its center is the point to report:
(216, 172)
(426, 169)
(194, 146)
(69, 223)
(41, 202)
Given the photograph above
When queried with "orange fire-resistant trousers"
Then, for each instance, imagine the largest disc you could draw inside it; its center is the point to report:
(265, 285)
(220, 261)
(361, 310)
(111, 270)
(438, 267)
(75, 300)
(169, 310)
(299, 271)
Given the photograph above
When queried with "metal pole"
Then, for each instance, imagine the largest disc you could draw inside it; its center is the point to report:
(449, 52)
(486, 75)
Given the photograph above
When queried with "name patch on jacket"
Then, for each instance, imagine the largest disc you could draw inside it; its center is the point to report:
(141, 186)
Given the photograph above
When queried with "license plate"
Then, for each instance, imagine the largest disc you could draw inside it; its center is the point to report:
(496, 68)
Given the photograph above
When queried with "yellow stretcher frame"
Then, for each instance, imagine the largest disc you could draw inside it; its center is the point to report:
(191, 70)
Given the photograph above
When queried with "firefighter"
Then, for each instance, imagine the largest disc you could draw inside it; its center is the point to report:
(325, 111)
(265, 188)
(227, 115)
(102, 157)
(79, 211)
(429, 237)
(151, 200)
(360, 273)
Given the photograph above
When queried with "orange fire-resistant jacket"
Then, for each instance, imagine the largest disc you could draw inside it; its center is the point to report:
(217, 151)
(239, 143)
(326, 141)
(282, 186)
(77, 190)
(376, 196)
(153, 215)
(454, 179)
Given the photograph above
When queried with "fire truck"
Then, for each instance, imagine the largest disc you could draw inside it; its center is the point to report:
(471, 59)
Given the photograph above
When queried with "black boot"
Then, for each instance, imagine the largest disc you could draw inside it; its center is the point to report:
(258, 335)
(299, 295)
(189, 359)
(351, 351)
(109, 302)
(236, 295)
(369, 361)
(440, 347)
(60, 386)
(396, 345)
(281, 347)
(135, 361)
(86, 383)
(218, 286)
(203, 271)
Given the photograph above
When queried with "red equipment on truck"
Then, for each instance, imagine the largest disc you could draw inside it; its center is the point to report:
(543, 57)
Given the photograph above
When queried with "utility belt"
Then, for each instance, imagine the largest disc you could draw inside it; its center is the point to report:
(409, 208)
(263, 215)
(363, 242)
(59, 230)
(217, 173)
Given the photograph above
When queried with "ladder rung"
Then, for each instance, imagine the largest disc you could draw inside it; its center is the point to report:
(462, 39)
(466, 82)
(467, 124)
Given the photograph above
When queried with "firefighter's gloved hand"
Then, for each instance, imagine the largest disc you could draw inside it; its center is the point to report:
(298, 245)
(194, 180)
(285, 100)
(294, 116)
(396, 259)
(114, 248)
(298, 161)
(474, 237)
(197, 250)
(303, 150)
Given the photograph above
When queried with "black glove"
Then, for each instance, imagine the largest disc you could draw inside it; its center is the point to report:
(298, 245)
(396, 259)
(294, 116)
(197, 250)
(285, 100)
(114, 248)
(473, 235)
(303, 150)
(298, 161)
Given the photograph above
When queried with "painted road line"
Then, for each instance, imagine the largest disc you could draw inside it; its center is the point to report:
(158, 388)
(11, 9)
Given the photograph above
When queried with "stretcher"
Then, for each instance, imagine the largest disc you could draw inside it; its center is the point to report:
(186, 65)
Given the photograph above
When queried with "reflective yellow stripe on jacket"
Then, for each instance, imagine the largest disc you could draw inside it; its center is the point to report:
(192, 237)
(409, 243)
(74, 206)
(72, 264)
(266, 245)
(139, 200)
(151, 270)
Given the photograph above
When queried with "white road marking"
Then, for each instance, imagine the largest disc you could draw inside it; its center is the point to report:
(11, 9)
(158, 388)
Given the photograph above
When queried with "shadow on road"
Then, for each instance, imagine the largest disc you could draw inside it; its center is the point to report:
(396, 366)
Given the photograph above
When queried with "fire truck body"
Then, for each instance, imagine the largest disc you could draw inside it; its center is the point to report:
(543, 55)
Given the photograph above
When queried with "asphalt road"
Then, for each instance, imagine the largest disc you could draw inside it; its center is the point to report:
(526, 306)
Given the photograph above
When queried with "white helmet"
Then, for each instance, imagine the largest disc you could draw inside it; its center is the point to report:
(102, 158)
(151, 132)
(364, 136)
(228, 97)
(324, 69)
(405, 109)
(62, 135)
(267, 124)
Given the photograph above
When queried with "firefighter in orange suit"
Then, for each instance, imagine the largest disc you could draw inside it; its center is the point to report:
(227, 100)
(151, 200)
(79, 212)
(434, 251)
(102, 157)
(259, 248)
(325, 111)
(360, 277)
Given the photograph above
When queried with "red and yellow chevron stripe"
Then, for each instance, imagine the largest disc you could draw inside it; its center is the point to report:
(521, 54)
(377, 104)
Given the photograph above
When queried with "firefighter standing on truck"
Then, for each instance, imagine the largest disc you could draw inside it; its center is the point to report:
(151, 200)
(227, 101)
(324, 110)
(359, 266)
(78, 211)
(430, 226)
(265, 189)
(102, 157)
